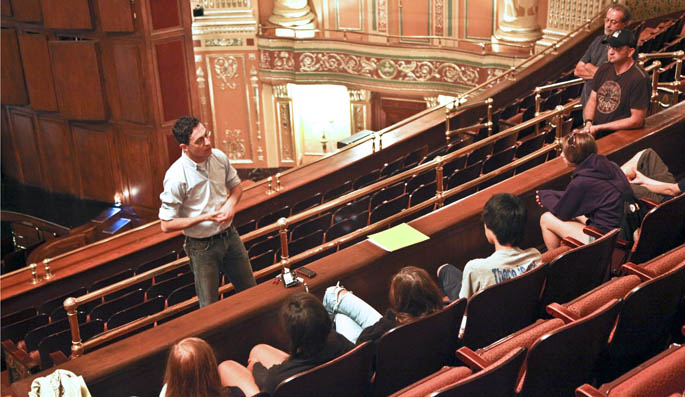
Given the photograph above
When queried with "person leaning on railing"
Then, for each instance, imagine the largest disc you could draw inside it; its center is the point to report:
(621, 89)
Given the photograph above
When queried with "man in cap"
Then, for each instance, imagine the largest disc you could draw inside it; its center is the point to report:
(617, 17)
(620, 89)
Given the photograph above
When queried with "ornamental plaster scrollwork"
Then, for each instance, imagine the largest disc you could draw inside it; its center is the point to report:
(382, 12)
(388, 68)
(285, 123)
(226, 69)
(283, 60)
(353, 64)
(235, 144)
(359, 95)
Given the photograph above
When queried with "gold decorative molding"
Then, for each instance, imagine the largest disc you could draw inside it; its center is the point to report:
(281, 91)
(359, 95)
(360, 105)
(235, 144)
(224, 42)
(225, 69)
(431, 101)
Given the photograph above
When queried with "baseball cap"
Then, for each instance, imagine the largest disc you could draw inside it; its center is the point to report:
(620, 38)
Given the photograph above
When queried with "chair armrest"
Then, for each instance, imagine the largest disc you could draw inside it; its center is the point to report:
(588, 391)
(20, 364)
(471, 359)
(649, 203)
(58, 357)
(592, 231)
(631, 268)
(561, 312)
(571, 242)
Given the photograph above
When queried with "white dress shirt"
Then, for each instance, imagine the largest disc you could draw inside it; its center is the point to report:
(192, 189)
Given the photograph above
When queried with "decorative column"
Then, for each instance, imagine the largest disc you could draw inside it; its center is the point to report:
(360, 110)
(293, 14)
(284, 120)
(517, 21)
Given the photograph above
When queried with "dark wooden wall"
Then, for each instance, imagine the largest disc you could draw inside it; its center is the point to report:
(90, 89)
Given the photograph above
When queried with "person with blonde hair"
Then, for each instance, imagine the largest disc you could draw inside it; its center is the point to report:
(594, 197)
(192, 371)
(412, 294)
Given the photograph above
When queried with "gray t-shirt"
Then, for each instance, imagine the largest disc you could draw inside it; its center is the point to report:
(596, 54)
(502, 265)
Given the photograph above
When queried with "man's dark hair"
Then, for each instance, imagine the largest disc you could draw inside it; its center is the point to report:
(623, 9)
(306, 323)
(184, 127)
(505, 215)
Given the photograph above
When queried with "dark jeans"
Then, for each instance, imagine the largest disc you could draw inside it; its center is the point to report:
(225, 254)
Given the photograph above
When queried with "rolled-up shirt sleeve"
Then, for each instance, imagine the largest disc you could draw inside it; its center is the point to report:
(232, 178)
(172, 199)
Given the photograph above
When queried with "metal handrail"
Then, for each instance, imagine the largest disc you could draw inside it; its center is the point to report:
(388, 36)
(463, 97)
(83, 248)
(71, 304)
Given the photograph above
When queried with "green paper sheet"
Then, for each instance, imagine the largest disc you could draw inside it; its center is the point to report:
(397, 237)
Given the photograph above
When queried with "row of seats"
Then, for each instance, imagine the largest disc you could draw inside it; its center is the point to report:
(559, 354)
(39, 331)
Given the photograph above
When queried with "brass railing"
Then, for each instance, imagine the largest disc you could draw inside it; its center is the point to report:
(463, 98)
(432, 40)
(71, 304)
(673, 87)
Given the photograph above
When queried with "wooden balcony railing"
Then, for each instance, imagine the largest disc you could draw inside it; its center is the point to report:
(71, 304)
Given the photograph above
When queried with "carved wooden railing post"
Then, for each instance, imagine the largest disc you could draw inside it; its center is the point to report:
(439, 180)
(283, 233)
(34, 274)
(654, 99)
(48, 274)
(489, 102)
(76, 346)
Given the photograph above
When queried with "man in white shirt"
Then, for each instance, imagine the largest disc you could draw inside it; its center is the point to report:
(201, 192)
(504, 221)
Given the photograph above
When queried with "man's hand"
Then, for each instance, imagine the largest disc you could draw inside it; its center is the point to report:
(225, 215)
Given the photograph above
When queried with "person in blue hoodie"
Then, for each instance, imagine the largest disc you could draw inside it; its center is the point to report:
(594, 197)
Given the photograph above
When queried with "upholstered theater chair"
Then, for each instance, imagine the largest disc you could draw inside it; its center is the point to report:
(488, 379)
(662, 375)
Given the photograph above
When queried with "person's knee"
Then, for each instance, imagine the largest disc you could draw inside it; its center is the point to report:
(228, 367)
(257, 352)
(547, 219)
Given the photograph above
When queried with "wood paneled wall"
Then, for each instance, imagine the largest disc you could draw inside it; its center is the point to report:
(90, 90)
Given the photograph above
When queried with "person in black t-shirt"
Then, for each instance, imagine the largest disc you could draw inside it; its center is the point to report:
(312, 342)
(620, 89)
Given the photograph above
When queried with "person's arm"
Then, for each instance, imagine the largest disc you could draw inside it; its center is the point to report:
(177, 224)
(585, 70)
(225, 215)
(654, 186)
(589, 111)
(636, 120)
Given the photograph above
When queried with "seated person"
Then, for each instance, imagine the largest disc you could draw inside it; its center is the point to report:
(504, 221)
(412, 295)
(594, 197)
(621, 89)
(650, 178)
(192, 371)
(312, 342)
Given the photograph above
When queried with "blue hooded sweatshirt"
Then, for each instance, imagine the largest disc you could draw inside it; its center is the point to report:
(597, 190)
